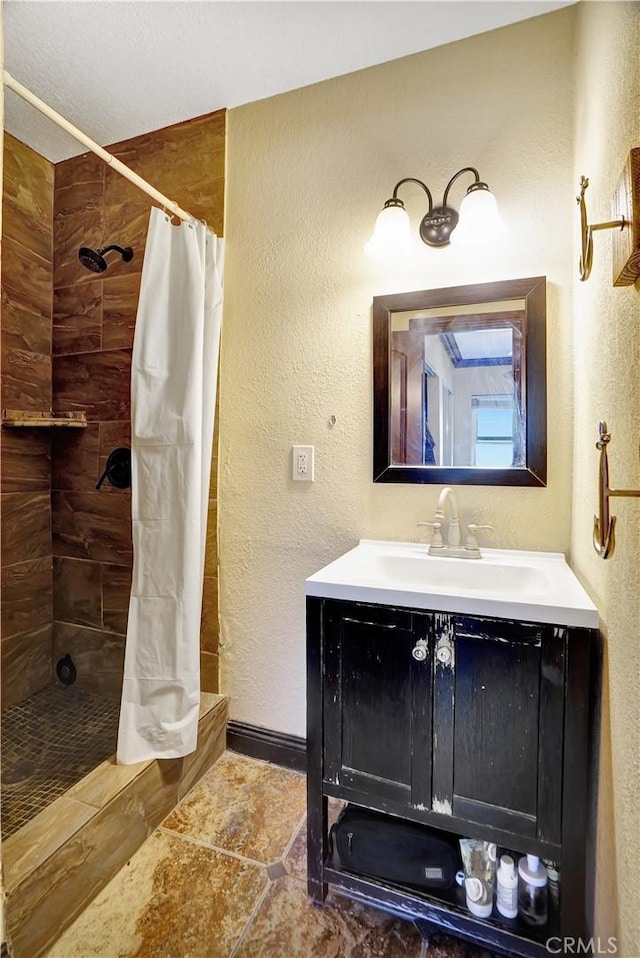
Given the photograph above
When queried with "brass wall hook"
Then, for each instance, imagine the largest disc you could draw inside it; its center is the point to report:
(604, 524)
(586, 231)
(625, 242)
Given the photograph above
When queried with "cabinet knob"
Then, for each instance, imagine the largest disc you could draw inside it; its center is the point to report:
(443, 655)
(419, 651)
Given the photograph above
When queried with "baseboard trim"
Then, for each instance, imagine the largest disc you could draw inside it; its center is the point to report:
(277, 747)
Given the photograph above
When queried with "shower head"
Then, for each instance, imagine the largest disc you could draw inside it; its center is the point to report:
(94, 260)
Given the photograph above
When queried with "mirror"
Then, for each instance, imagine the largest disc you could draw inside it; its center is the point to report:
(460, 385)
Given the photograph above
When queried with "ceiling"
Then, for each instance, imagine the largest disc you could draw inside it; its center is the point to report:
(119, 69)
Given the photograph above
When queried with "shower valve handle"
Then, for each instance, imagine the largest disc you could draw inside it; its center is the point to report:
(118, 468)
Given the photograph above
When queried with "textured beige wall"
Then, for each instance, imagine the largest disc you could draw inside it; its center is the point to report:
(607, 346)
(307, 173)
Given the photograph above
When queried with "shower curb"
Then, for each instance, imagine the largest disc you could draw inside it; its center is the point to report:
(58, 862)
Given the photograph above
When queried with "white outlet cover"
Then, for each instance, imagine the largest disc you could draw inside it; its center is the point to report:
(303, 461)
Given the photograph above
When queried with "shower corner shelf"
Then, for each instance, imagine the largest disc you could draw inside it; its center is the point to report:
(21, 419)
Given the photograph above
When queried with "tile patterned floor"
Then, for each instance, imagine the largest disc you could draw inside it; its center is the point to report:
(42, 759)
(224, 877)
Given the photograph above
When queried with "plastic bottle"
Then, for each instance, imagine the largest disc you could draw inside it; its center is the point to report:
(479, 897)
(553, 874)
(507, 887)
(532, 890)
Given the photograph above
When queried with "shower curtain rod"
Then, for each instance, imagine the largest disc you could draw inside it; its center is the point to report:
(108, 158)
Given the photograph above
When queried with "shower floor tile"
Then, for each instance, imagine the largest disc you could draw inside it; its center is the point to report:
(49, 742)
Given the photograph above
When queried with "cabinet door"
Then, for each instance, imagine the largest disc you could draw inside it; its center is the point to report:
(377, 703)
(498, 714)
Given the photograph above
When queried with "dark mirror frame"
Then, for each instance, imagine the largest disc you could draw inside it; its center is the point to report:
(534, 473)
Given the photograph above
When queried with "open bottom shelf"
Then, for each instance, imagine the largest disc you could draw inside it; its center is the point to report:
(446, 911)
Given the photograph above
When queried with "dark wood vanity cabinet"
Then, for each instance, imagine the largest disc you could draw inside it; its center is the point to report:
(477, 726)
(377, 703)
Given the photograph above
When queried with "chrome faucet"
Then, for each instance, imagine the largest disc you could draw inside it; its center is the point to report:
(451, 545)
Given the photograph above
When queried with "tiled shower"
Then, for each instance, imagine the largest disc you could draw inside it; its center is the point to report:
(66, 555)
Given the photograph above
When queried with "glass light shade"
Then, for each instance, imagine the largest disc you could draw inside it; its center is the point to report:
(480, 221)
(391, 235)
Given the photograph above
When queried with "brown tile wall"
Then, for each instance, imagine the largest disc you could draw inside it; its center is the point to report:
(25, 462)
(93, 324)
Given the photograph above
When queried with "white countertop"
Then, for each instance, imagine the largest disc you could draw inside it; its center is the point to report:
(507, 584)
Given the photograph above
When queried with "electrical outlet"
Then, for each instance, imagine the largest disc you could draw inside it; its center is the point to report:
(303, 462)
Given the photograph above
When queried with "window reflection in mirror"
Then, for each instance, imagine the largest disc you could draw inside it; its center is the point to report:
(460, 384)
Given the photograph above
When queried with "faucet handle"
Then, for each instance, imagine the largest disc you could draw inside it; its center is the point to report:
(436, 538)
(472, 539)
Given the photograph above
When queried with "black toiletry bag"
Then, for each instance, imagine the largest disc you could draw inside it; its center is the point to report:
(392, 849)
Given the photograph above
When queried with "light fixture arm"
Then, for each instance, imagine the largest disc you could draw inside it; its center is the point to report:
(411, 179)
(466, 169)
(437, 223)
(586, 231)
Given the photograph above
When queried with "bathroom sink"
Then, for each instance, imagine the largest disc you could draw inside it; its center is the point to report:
(424, 571)
(529, 586)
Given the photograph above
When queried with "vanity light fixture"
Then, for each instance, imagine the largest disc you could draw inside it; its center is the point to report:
(626, 239)
(478, 218)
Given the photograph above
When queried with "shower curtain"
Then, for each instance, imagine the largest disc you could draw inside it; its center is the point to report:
(173, 395)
